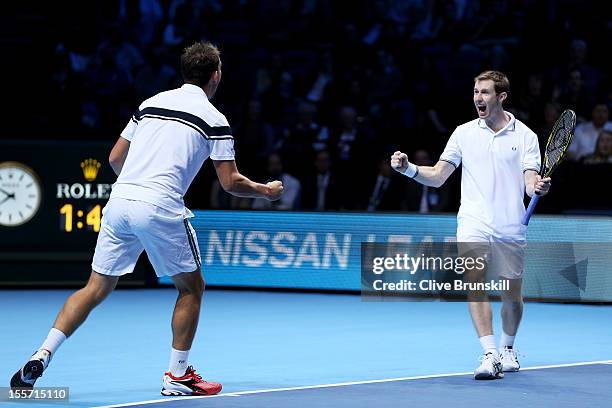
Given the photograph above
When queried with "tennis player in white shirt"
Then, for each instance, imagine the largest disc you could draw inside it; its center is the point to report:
(156, 158)
(500, 156)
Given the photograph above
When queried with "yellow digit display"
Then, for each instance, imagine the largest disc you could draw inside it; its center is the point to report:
(93, 218)
(66, 211)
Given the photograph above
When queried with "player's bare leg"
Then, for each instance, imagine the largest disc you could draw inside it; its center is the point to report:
(512, 307)
(478, 302)
(512, 313)
(71, 316)
(82, 302)
(482, 317)
(186, 314)
(181, 378)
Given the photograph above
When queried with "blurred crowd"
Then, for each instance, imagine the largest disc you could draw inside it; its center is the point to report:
(320, 93)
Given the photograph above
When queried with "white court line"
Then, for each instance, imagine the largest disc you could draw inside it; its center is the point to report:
(344, 384)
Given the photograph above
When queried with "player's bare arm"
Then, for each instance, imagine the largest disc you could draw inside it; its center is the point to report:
(535, 184)
(432, 176)
(118, 154)
(237, 184)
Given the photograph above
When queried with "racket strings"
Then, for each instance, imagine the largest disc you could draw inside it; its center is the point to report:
(560, 139)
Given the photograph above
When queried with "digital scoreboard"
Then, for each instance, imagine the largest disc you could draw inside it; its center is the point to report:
(83, 211)
(51, 199)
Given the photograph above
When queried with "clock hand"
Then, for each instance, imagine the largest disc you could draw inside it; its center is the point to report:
(6, 199)
(7, 193)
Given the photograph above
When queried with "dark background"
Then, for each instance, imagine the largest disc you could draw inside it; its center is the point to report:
(299, 76)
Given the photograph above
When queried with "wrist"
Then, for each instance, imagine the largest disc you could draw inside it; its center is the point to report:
(533, 188)
(411, 171)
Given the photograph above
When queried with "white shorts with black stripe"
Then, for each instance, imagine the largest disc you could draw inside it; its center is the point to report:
(129, 227)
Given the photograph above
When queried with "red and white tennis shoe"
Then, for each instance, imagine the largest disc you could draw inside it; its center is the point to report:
(190, 383)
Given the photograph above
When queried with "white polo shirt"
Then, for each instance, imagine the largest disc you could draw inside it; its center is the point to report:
(492, 180)
(171, 135)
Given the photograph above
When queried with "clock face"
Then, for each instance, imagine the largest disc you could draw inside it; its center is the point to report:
(20, 194)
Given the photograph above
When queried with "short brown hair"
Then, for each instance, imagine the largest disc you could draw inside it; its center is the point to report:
(198, 62)
(499, 79)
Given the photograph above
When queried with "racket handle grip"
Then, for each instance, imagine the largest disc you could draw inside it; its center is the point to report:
(530, 209)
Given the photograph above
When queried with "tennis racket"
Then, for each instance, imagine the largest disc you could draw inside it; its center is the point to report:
(559, 140)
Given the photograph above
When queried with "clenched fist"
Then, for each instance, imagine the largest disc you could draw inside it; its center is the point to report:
(275, 190)
(541, 185)
(399, 161)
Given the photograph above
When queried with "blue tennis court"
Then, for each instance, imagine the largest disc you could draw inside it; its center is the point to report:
(554, 384)
(361, 169)
(274, 349)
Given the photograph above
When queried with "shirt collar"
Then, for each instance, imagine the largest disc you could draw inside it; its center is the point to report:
(193, 89)
(511, 125)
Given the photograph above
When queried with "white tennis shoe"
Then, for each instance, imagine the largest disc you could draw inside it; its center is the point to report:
(509, 360)
(490, 368)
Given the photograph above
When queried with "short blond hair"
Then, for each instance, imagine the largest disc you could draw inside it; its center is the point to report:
(500, 80)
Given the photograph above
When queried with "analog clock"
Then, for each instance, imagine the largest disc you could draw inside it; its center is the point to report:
(20, 194)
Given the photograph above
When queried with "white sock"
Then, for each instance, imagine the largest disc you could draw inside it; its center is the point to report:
(506, 341)
(178, 362)
(488, 344)
(54, 339)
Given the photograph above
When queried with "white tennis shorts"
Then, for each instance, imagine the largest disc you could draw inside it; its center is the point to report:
(505, 257)
(129, 227)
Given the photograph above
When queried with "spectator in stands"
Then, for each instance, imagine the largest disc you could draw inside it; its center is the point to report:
(586, 135)
(386, 78)
(154, 77)
(323, 78)
(436, 117)
(109, 86)
(182, 26)
(321, 187)
(493, 34)
(550, 114)
(145, 16)
(354, 93)
(352, 156)
(127, 57)
(531, 101)
(385, 192)
(254, 135)
(575, 95)
(577, 57)
(292, 188)
(347, 138)
(603, 150)
(363, 59)
(300, 142)
(273, 85)
(422, 198)
(200, 8)
(447, 25)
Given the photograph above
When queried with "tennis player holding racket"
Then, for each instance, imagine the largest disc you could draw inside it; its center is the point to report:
(501, 160)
